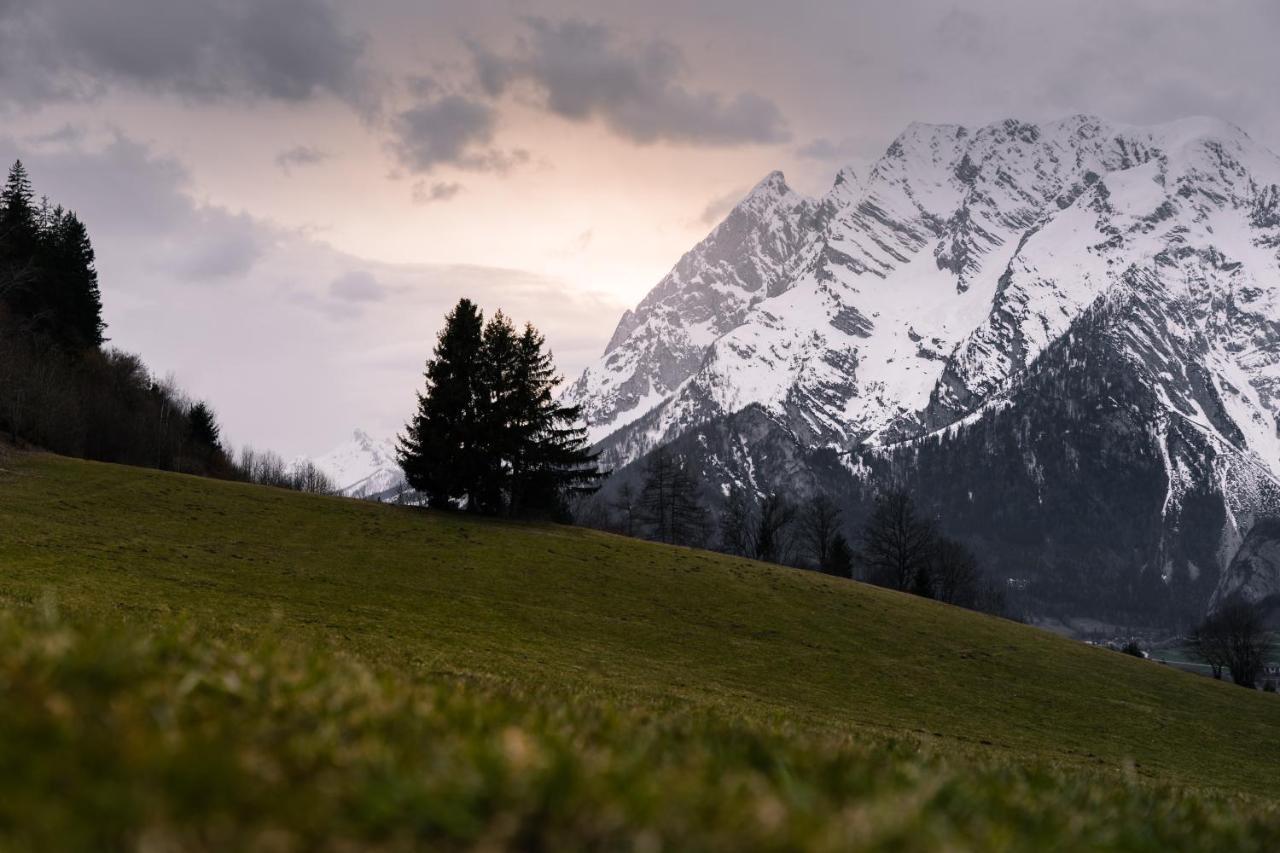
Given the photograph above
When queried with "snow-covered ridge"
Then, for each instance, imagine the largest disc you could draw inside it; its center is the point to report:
(903, 299)
(363, 466)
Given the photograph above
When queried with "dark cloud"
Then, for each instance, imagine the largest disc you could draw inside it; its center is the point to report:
(585, 71)
(300, 155)
(288, 50)
(453, 130)
(129, 197)
(424, 193)
(357, 286)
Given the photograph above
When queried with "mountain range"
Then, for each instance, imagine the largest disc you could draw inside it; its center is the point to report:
(1063, 337)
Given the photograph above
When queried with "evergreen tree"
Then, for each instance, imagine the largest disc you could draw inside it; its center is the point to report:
(73, 279)
(442, 450)
(205, 431)
(19, 232)
(47, 275)
(553, 459)
(839, 560)
(17, 213)
(489, 429)
(501, 413)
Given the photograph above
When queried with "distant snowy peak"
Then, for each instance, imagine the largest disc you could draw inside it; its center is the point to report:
(363, 466)
(746, 259)
(906, 297)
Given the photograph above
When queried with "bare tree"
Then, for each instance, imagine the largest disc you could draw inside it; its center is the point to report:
(955, 574)
(688, 515)
(626, 508)
(819, 526)
(669, 504)
(773, 528)
(306, 477)
(737, 524)
(1234, 637)
(897, 544)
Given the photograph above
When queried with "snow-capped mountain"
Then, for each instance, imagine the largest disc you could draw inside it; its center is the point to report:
(966, 266)
(363, 466)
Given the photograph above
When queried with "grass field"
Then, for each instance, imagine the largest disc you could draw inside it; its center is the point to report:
(191, 664)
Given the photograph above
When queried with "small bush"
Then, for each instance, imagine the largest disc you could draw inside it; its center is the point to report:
(1132, 648)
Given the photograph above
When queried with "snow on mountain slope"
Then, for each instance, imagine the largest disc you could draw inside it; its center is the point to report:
(363, 466)
(901, 301)
(710, 291)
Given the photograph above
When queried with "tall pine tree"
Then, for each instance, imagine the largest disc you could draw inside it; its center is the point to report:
(489, 429)
(442, 450)
(71, 281)
(500, 402)
(553, 460)
(47, 277)
(19, 235)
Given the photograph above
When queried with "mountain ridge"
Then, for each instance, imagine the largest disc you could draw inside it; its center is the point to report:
(904, 302)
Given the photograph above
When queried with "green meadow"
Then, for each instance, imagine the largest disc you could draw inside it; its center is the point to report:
(196, 664)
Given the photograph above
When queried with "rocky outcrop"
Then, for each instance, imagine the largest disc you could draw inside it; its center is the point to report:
(1254, 573)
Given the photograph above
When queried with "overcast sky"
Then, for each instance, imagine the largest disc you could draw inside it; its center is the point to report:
(286, 195)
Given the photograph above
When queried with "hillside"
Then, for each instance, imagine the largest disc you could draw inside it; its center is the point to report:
(383, 674)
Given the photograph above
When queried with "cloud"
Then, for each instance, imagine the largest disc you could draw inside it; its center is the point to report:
(841, 150)
(294, 341)
(127, 195)
(453, 130)
(300, 155)
(438, 191)
(441, 131)
(357, 286)
(285, 50)
(582, 71)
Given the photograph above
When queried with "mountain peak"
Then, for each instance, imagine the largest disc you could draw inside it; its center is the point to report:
(362, 465)
(775, 182)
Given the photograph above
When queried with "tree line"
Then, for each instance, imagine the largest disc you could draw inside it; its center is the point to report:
(489, 435)
(63, 390)
(896, 546)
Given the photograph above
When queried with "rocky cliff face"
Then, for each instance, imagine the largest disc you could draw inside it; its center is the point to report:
(1087, 315)
(1254, 573)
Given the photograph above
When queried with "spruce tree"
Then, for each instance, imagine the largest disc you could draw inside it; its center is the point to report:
(553, 459)
(500, 413)
(839, 560)
(19, 232)
(205, 431)
(17, 213)
(442, 450)
(80, 303)
(69, 282)
(47, 274)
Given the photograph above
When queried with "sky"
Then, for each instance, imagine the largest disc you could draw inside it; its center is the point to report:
(286, 196)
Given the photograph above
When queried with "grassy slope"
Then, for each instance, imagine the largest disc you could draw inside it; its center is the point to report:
(570, 619)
